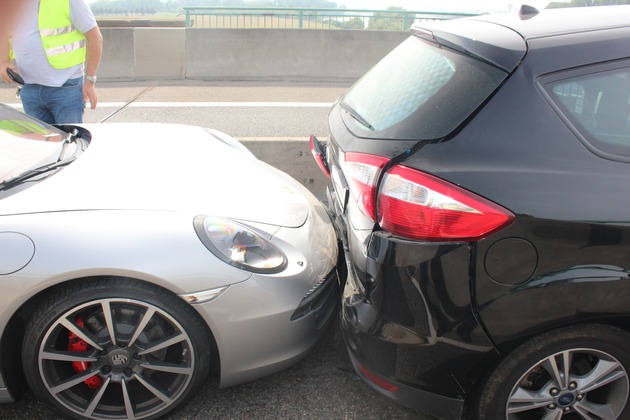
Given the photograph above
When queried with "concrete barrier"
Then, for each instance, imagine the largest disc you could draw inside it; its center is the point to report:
(119, 54)
(160, 53)
(284, 54)
(242, 54)
(294, 157)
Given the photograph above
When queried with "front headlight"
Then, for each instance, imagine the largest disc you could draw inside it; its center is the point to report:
(239, 246)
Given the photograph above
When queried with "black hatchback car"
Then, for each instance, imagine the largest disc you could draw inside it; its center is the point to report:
(480, 183)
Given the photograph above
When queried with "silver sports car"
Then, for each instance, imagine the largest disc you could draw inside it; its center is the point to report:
(136, 257)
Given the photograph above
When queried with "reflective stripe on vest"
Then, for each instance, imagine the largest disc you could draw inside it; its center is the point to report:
(63, 43)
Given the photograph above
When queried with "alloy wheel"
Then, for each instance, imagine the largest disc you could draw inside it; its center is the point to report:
(572, 384)
(116, 358)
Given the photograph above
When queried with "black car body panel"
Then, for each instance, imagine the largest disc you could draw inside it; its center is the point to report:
(426, 320)
(408, 303)
(569, 272)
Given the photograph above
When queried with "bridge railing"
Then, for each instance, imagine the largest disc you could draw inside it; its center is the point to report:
(306, 18)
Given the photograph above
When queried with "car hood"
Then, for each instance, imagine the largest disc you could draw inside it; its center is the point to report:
(166, 167)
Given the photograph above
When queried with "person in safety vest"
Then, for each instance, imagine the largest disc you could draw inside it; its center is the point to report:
(56, 46)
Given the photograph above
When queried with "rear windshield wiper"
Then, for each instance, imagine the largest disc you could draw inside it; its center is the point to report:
(32, 174)
(354, 114)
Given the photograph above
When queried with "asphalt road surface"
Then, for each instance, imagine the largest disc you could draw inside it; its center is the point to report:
(246, 110)
(321, 386)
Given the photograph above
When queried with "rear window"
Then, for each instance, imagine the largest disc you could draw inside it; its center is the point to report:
(418, 91)
(598, 105)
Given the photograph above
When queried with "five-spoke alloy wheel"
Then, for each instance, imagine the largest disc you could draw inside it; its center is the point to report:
(586, 382)
(579, 372)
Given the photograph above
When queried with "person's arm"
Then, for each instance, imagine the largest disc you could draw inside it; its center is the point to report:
(4, 59)
(94, 49)
(8, 12)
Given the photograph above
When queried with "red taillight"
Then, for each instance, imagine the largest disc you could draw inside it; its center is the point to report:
(415, 205)
(319, 153)
(362, 172)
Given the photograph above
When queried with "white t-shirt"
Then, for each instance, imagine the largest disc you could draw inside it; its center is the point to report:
(30, 56)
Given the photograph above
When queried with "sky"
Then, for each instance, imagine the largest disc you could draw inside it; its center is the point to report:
(464, 6)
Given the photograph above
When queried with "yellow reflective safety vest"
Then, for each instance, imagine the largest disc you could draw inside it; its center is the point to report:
(63, 43)
(11, 56)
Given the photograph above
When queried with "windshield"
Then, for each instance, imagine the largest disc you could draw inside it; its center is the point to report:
(418, 91)
(26, 143)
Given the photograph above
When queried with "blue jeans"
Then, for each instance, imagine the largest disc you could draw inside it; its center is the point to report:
(55, 105)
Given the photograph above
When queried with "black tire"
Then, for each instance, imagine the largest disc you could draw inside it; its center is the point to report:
(526, 371)
(160, 358)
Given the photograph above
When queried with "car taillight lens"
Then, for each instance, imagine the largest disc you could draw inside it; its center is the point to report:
(415, 205)
(318, 150)
(377, 380)
(362, 172)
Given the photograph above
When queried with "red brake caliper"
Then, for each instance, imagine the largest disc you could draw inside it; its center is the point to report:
(78, 345)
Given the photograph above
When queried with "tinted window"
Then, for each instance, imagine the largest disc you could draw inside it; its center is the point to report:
(599, 106)
(419, 91)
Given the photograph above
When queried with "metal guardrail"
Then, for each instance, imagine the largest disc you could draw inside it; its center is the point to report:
(303, 18)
